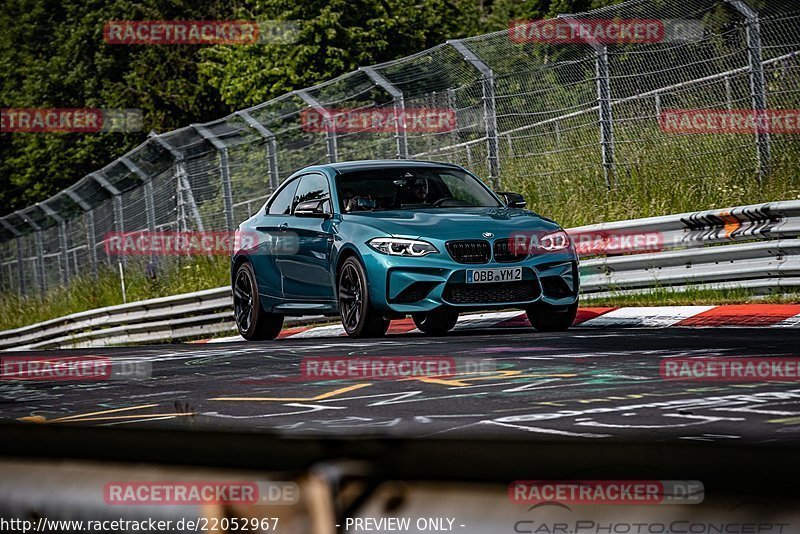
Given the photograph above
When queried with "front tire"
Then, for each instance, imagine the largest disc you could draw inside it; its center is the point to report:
(253, 323)
(548, 318)
(359, 317)
(435, 323)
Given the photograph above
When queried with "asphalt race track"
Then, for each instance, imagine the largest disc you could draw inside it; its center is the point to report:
(582, 384)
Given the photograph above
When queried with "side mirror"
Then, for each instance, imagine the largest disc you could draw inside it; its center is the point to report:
(312, 208)
(513, 200)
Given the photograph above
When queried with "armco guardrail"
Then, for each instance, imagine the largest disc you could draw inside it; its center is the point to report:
(747, 246)
(520, 109)
(160, 318)
(754, 247)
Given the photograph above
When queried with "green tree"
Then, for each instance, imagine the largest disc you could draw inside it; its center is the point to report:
(335, 37)
(52, 55)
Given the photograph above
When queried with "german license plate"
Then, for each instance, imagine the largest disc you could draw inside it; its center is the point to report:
(482, 276)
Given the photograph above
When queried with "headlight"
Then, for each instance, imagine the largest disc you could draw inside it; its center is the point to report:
(554, 241)
(402, 247)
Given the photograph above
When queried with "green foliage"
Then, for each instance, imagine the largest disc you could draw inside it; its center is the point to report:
(654, 177)
(52, 54)
(86, 293)
(335, 37)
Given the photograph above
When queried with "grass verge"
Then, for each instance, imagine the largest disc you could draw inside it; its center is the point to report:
(86, 293)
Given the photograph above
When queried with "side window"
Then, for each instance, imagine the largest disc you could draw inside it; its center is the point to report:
(312, 187)
(282, 203)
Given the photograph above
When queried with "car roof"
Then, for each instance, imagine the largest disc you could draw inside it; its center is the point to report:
(344, 167)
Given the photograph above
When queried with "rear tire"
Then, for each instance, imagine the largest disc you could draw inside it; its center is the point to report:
(548, 318)
(435, 323)
(359, 317)
(253, 322)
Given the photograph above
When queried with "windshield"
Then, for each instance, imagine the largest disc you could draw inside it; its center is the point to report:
(411, 189)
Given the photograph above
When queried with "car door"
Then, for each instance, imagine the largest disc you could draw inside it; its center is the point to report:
(306, 275)
(271, 227)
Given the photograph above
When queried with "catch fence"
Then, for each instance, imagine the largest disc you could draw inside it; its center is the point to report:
(524, 111)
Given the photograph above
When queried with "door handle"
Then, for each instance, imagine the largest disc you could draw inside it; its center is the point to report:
(283, 227)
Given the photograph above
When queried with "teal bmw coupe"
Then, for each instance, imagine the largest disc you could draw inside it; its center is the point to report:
(372, 241)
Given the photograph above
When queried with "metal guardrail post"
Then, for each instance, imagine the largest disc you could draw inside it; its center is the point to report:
(41, 278)
(91, 239)
(272, 147)
(330, 128)
(224, 172)
(489, 109)
(20, 258)
(758, 85)
(399, 105)
(116, 200)
(183, 188)
(63, 268)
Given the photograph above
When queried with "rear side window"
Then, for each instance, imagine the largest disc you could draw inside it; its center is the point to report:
(282, 203)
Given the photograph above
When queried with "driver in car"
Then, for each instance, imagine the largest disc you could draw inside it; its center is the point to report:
(414, 191)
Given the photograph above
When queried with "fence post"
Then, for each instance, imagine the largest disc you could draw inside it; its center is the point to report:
(224, 171)
(272, 147)
(63, 268)
(183, 186)
(23, 290)
(489, 109)
(758, 85)
(42, 279)
(20, 258)
(451, 104)
(330, 127)
(91, 239)
(728, 92)
(606, 117)
(603, 77)
(116, 200)
(399, 104)
(149, 200)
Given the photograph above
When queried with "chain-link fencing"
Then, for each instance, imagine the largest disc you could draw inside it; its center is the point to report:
(523, 108)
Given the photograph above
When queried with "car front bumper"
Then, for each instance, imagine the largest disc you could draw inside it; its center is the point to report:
(404, 285)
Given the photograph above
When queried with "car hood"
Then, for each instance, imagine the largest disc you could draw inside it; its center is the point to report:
(463, 223)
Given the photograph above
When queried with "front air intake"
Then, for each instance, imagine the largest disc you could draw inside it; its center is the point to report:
(472, 251)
